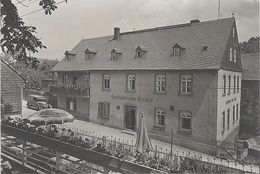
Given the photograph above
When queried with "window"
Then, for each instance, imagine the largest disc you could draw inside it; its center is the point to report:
(234, 114)
(229, 83)
(71, 104)
(113, 56)
(186, 83)
(86, 80)
(235, 55)
(103, 109)
(139, 55)
(233, 32)
(65, 79)
(237, 83)
(160, 83)
(176, 52)
(66, 58)
(130, 82)
(159, 117)
(230, 54)
(228, 118)
(224, 85)
(106, 81)
(237, 111)
(223, 120)
(234, 84)
(185, 119)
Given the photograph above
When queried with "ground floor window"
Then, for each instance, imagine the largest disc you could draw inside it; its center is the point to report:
(103, 109)
(71, 104)
(185, 120)
(159, 117)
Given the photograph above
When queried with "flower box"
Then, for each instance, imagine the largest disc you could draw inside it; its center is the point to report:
(82, 153)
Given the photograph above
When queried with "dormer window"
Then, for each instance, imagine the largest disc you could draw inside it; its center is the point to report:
(115, 53)
(89, 53)
(69, 55)
(140, 51)
(177, 50)
(138, 54)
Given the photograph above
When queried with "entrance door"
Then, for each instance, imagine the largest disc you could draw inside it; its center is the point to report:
(130, 117)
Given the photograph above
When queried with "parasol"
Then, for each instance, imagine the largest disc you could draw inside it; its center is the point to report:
(142, 140)
(50, 116)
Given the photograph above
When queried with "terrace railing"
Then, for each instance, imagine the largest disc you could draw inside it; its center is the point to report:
(75, 90)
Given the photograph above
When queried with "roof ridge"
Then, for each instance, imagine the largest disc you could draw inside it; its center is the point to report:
(172, 26)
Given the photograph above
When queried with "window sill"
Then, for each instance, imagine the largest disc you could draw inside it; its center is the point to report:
(229, 93)
(107, 118)
(234, 92)
(160, 93)
(129, 91)
(186, 132)
(105, 89)
(185, 94)
(223, 95)
(228, 126)
(160, 126)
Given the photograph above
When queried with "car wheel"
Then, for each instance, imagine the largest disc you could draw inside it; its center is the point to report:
(28, 105)
(39, 107)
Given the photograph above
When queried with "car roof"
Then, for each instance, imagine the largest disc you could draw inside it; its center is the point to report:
(37, 96)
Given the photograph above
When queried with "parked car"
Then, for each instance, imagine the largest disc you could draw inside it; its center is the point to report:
(37, 102)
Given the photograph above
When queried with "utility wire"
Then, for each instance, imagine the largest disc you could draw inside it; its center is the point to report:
(41, 9)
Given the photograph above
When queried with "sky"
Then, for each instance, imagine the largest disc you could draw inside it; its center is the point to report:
(83, 19)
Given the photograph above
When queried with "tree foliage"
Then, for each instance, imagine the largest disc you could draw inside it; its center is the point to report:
(17, 38)
(250, 118)
(251, 46)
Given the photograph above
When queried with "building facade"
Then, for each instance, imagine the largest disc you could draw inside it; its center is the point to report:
(184, 78)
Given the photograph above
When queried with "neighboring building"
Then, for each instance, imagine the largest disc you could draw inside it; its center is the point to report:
(251, 74)
(11, 90)
(185, 78)
(46, 83)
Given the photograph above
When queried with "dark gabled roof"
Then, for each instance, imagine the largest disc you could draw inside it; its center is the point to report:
(11, 83)
(7, 71)
(159, 42)
(251, 66)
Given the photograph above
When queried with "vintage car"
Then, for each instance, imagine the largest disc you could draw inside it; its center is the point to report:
(37, 102)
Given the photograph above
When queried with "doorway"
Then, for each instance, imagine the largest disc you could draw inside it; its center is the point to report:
(130, 121)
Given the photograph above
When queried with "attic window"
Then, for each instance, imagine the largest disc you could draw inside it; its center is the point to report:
(69, 55)
(177, 50)
(89, 53)
(138, 54)
(205, 48)
(140, 51)
(115, 53)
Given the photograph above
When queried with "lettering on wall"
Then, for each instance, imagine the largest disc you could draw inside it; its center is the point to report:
(132, 99)
(231, 100)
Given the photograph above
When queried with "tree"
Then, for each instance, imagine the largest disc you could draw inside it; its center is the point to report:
(251, 46)
(18, 38)
(250, 120)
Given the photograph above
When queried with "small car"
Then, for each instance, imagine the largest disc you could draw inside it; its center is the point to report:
(37, 102)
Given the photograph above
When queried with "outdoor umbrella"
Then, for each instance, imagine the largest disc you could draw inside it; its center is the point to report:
(142, 140)
(50, 116)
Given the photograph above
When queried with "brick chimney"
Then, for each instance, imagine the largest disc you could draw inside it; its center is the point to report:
(116, 33)
(194, 21)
